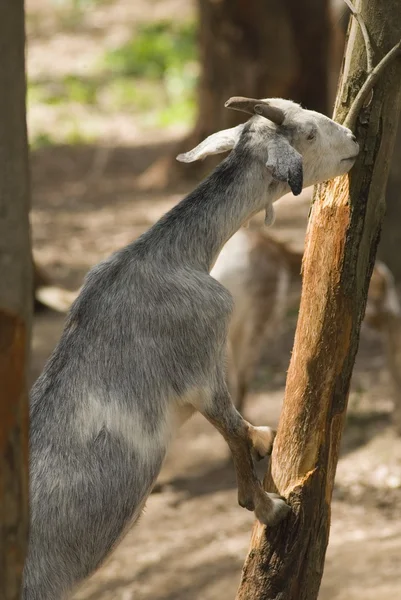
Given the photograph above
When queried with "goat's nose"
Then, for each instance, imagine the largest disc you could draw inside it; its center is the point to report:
(353, 138)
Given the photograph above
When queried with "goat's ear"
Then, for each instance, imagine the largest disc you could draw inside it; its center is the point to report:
(285, 163)
(214, 144)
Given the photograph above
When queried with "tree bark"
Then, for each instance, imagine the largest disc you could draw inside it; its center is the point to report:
(391, 234)
(15, 300)
(254, 48)
(390, 244)
(286, 563)
(260, 48)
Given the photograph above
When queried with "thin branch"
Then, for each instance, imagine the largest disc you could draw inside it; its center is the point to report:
(369, 84)
(365, 33)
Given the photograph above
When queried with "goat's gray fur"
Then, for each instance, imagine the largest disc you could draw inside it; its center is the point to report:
(143, 347)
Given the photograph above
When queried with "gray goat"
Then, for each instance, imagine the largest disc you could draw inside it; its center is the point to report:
(144, 347)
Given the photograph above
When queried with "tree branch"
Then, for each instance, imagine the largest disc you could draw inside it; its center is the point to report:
(369, 84)
(365, 33)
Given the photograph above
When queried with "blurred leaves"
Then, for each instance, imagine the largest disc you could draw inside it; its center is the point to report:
(155, 50)
(163, 53)
(71, 12)
(69, 89)
(78, 5)
(153, 74)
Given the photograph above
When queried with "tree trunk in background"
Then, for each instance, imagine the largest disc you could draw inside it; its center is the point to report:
(259, 49)
(390, 245)
(15, 300)
(286, 562)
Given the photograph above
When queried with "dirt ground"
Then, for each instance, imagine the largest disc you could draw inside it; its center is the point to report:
(193, 537)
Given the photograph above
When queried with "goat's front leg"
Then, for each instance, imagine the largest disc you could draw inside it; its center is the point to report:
(245, 440)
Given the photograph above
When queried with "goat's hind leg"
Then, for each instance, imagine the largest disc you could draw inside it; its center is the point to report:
(245, 440)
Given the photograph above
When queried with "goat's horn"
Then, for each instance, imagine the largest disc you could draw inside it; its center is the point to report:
(270, 112)
(259, 107)
(243, 104)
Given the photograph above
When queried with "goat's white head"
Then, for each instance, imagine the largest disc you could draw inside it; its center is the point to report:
(300, 147)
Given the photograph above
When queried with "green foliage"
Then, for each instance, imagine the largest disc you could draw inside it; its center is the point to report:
(125, 93)
(156, 72)
(154, 75)
(80, 90)
(155, 50)
(75, 136)
(72, 134)
(41, 140)
(182, 111)
(71, 13)
(70, 89)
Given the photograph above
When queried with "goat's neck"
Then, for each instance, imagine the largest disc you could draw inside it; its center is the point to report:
(194, 231)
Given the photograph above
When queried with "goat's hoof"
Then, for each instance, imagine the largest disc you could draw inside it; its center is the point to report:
(246, 502)
(262, 442)
(272, 509)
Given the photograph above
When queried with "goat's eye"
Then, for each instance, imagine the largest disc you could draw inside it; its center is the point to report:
(311, 136)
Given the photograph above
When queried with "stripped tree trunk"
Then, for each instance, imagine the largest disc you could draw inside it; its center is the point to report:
(15, 300)
(286, 563)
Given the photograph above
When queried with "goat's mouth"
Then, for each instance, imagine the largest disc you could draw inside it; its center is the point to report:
(353, 157)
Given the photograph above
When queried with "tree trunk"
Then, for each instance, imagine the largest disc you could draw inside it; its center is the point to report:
(391, 234)
(286, 563)
(390, 244)
(254, 48)
(15, 300)
(260, 48)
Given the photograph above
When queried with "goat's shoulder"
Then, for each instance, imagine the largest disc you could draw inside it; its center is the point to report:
(202, 292)
(139, 288)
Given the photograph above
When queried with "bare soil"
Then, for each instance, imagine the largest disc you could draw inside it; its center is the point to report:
(193, 537)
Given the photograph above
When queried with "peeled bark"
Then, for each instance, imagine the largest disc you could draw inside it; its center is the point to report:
(15, 300)
(286, 563)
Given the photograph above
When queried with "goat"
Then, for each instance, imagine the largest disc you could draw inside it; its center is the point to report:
(144, 347)
(259, 271)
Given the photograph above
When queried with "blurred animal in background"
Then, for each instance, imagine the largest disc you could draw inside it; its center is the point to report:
(383, 313)
(258, 271)
(48, 296)
(262, 273)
